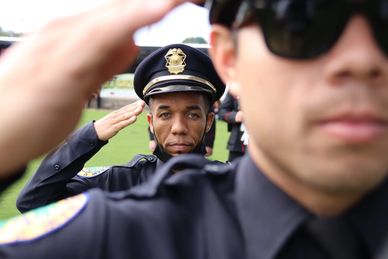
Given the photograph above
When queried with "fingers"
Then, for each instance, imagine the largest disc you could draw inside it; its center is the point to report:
(109, 31)
(209, 151)
(128, 111)
(88, 48)
(124, 123)
(152, 145)
(124, 113)
(111, 124)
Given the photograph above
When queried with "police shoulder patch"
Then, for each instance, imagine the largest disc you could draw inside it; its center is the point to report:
(92, 171)
(41, 222)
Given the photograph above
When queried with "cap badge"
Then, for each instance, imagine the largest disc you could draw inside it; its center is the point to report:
(175, 61)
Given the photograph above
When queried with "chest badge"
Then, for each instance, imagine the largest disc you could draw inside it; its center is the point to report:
(175, 61)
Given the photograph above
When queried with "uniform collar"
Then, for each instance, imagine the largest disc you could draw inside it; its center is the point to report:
(267, 215)
(370, 218)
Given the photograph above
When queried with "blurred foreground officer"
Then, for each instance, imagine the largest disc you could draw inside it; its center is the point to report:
(41, 101)
(314, 92)
(180, 85)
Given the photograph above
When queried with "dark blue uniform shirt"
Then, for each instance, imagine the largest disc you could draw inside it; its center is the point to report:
(209, 211)
(56, 177)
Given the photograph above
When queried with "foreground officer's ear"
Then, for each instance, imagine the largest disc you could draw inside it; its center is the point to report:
(223, 52)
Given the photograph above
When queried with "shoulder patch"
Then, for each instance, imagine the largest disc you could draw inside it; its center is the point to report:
(92, 171)
(41, 222)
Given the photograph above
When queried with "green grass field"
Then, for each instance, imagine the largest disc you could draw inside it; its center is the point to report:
(130, 141)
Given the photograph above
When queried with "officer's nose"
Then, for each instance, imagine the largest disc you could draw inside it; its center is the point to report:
(356, 56)
(179, 125)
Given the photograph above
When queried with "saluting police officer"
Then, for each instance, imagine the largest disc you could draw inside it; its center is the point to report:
(179, 84)
(313, 184)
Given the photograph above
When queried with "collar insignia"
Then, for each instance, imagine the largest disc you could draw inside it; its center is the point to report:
(175, 61)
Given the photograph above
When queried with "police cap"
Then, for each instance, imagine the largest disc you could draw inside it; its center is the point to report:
(177, 68)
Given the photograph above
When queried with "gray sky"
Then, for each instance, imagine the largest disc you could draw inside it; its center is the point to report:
(187, 20)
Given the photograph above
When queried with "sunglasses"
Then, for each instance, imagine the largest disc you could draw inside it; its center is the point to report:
(305, 29)
(222, 11)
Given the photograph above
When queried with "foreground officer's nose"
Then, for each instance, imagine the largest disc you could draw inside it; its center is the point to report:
(356, 56)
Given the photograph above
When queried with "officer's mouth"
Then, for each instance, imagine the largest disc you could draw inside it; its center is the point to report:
(180, 147)
(355, 129)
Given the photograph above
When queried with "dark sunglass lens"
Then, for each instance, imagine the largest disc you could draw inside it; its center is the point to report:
(377, 12)
(222, 11)
(302, 28)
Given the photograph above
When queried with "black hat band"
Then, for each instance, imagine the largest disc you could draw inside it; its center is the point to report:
(178, 77)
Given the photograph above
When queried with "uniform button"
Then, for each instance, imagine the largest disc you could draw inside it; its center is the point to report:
(57, 167)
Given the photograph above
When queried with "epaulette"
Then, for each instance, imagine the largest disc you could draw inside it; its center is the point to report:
(43, 221)
(140, 159)
(88, 172)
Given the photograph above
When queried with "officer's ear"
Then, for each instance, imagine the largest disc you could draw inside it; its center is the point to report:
(209, 121)
(224, 54)
(150, 122)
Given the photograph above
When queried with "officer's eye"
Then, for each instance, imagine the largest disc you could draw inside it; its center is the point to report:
(193, 115)
(164, 115)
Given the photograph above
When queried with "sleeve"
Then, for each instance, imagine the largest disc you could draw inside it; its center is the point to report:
(71, 228)
(227, 111)
(49, 183)
(111, 179)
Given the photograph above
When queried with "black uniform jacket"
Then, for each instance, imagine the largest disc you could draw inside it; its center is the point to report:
(228, 110)
(208, 211)
(59, 175)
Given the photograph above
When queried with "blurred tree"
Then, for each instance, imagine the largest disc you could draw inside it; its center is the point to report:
(197, 40)
(9, 33)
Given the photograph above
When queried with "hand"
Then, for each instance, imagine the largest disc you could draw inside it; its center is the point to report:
(239, 116)
(46, 79)
(209, 151)
(216, 106)
(111, 124)
(152, 145)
